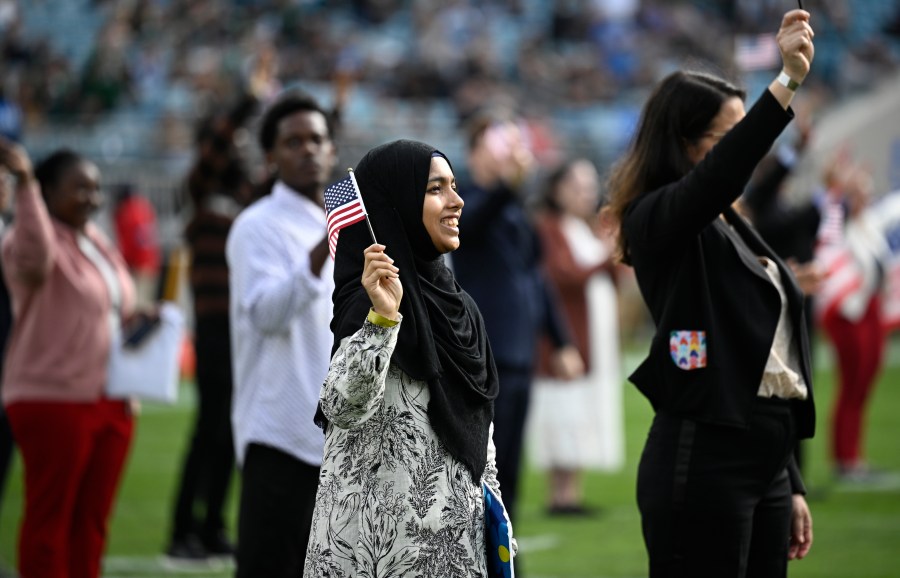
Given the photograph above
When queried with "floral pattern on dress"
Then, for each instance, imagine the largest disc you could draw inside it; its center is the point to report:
(391, 500)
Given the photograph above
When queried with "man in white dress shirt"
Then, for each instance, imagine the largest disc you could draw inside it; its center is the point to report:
(281, 282)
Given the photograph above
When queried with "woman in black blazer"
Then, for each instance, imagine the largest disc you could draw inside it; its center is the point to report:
(728, 369)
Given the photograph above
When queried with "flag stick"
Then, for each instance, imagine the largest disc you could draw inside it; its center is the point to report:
(800, 2)
(362, 205)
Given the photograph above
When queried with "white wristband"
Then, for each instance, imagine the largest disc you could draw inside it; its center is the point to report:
(787, 82)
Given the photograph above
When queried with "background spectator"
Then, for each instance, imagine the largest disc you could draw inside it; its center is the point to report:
(500, 266)
(577, 425)
(281, 285)
(219, 188)
(65, 279)
(852, 317)
(137, 234)
(7, 444)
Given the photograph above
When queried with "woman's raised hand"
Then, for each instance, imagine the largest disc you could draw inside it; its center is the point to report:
(795, 41)
(381, 281)
(14, 158)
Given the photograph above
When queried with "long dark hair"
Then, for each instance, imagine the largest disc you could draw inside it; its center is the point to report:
(678, 112)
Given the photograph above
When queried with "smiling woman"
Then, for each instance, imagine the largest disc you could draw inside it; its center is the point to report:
(408, 400)
(442, 207)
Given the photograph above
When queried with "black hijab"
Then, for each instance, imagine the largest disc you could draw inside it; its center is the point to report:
(442, 337)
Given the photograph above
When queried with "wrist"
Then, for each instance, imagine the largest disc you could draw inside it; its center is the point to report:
(22, 178)
(788, 81)
(383, 318)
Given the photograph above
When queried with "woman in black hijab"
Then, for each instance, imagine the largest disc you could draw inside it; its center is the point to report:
(408, 401)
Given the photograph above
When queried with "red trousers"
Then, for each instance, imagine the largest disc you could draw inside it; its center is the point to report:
(860, 350)
(74, 455)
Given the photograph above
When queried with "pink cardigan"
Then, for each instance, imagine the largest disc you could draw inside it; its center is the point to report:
(60, 341)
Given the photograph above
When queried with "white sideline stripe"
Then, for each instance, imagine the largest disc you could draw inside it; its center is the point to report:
(538, 543)
(891, 484)
(154, 566)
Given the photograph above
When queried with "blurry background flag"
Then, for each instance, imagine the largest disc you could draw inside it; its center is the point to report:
(842, 274)
(343, 207)
(756, 52)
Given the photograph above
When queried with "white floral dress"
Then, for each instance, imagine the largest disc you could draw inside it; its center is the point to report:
(391, 500)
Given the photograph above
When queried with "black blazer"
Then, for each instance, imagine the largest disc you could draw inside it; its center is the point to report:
(695, 274)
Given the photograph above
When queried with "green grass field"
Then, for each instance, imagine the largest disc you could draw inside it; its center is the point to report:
(857, 533)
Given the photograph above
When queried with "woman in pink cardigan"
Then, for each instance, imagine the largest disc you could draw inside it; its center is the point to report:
(69, 289)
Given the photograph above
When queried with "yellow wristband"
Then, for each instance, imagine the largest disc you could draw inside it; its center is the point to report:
(380, 320)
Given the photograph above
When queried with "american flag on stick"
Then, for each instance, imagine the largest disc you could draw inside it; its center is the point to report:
(343, 207)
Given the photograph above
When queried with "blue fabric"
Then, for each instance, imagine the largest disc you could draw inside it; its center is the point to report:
(498, 536)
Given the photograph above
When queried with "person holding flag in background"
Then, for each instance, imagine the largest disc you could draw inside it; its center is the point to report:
(856, 255)
(407, 405)
(281, 283)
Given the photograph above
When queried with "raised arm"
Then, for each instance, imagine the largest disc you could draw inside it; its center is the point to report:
(28, 249)
(664, 218)
(354, 387)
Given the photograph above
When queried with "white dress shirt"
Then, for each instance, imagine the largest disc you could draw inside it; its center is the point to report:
(280, 317)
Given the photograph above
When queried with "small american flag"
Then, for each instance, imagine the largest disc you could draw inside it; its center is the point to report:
(756, 51)
(343, 207)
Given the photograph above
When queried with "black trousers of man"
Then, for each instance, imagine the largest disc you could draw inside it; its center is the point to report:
(715, 500)
(278, 494)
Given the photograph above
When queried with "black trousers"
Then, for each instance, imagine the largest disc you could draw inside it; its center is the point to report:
(278, 494)
(510, 413)
(209, 461)
(715, 501)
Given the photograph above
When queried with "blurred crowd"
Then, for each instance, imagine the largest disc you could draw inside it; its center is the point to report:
(186, 56)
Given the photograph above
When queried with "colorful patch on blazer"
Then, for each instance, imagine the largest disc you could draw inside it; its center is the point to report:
(688, 349)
